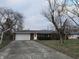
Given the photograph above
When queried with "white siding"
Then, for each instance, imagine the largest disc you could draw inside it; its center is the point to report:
(73, 37)
(22, 37)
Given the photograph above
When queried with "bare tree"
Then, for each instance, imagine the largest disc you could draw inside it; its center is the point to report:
(10, 21)
(56, 11)
(74, 11)
(59, 9)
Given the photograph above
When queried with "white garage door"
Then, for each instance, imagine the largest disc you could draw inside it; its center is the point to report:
(22, 37)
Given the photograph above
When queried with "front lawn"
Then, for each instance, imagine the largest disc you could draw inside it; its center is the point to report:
(70, 47)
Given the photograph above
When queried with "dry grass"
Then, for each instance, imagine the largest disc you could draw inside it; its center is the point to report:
(70, 47)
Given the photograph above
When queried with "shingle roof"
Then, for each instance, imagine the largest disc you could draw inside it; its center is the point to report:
(74, 33)
(35, 31)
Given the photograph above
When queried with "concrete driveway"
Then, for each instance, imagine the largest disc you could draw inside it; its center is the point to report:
(29, 50)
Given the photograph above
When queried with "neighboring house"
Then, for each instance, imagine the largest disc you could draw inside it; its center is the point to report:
(33, 34)
(73, 35)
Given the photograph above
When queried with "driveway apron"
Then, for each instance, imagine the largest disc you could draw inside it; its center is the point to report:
(30, 50)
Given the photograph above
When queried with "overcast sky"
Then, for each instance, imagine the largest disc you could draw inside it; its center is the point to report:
(31, 9)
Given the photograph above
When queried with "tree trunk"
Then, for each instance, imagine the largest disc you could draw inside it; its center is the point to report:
(61, 38)
(1, 37)
(65, 37)
(2, 34)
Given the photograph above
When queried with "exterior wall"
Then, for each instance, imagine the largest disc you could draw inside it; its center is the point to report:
(22, 37)
(73, 36)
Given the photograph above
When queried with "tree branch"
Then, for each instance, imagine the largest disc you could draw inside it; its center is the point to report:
(73, 20)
